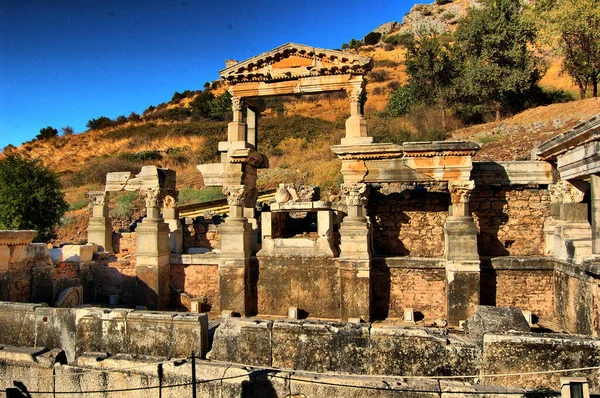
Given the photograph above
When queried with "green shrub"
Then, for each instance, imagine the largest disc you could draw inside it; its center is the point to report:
(372, 38)
(401, 39)
(379, 75)
(206, 194)
(47, 132)
(442, 2)
(78, 204)
(400, 101)
(100, 123)
(126, 203)
(30, 197)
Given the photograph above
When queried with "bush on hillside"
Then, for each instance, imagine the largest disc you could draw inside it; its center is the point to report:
(401, 99)
(100, 123)
(401, 39)
(47, 132)
(67, 130)
(379, 75)
(372, 38)
(30, 197)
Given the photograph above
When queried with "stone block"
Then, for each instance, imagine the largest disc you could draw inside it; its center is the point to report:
(242, 340)
(149, 333)
(17, 323)
(574, 211)
(55, 328)
(77, 253)
(4, 257)
(101, 330)
(421, 352)
(190, 334)
(488, 319)
(321, 346)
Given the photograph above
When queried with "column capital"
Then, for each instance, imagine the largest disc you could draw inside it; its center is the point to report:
(237, 195)
(237, 104)
(460, 191)
(99, 198)
(357, 194)
(171, 199)
(565, 192)
(153, 197)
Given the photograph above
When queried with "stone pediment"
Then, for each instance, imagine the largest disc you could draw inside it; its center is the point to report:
(292, 61)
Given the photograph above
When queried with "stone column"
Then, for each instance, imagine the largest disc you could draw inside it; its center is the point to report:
(236, 247)
(100, 224)
(355, 254)
(595, 198)
(236, 130)
(356, 125)
(152, 267)
(252, 122)
(171, 217)
(462, 258)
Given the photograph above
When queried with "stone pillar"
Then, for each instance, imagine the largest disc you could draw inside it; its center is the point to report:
(100, 224)
(595, 198)
(462, 258)
(236, 130)
(171, 217)
(152, 267)
(252, 122)
(356, 125)
(236, 247)
(355, 254)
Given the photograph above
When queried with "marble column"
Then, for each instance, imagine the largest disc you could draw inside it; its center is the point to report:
(171, 217)
(100, 224)
(252, 123)
(356, 125)
(462, 258)
(595, 198)
(236, 130)
(236, 249)
(152, 255)
(355, 254)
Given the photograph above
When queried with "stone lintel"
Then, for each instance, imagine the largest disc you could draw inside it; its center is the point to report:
(439, 148)
(301, 85)
(14, 237)
(582, 133)
(367, 151)
(580, 162)
(409, 262)
(150, 177)
(212, 173)
(320, 205)
(512, 173)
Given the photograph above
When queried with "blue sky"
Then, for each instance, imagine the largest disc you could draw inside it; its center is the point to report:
(65, 62)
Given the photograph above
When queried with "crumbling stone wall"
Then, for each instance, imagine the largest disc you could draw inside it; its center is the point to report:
(202, 232)
(199, 281)
(408, 221)
(399, 284)
(577, 303)
(114, 276)
(510, 220)
(531, 290)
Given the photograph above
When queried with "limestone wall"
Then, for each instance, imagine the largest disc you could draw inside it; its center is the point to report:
(165, 334)
(399, 283)
(197, 278)
(510, 220)
(127, 376)
(408, 222)
(577, 298)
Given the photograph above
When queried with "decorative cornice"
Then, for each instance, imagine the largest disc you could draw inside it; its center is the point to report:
(320, 62)
(579, 135)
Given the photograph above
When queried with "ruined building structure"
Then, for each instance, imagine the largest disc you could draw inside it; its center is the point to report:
(420, 232)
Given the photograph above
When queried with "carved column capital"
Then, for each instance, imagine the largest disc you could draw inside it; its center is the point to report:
(565, 192)
(356, 194)
(99, 198)
(153, 197)
(356, 95)
(171, 200)
(460, 191)
(237, 104)
(237, 194)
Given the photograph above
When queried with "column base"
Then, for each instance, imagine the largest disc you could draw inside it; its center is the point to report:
(355, 239)
(463, 290)
(355, 284)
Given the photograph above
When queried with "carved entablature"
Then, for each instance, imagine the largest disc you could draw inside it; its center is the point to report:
(99, 198)
(367, 152)
(356, 194)
(460, 191)
(439, 148)
(238, 195)
(293, 61)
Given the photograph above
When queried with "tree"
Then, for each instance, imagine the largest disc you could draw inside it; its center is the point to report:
(47, 132)
(572, 28)
(372, 38)
(201, 105)
(220, 107)
(67, 130)
(30, 197)
(400, 101)
(432, 71)
(100, 123)
(493, 46)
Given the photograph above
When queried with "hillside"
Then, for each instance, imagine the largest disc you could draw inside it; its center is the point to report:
(295, 132)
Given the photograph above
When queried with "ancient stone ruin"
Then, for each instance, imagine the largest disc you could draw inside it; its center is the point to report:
(428, 264)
